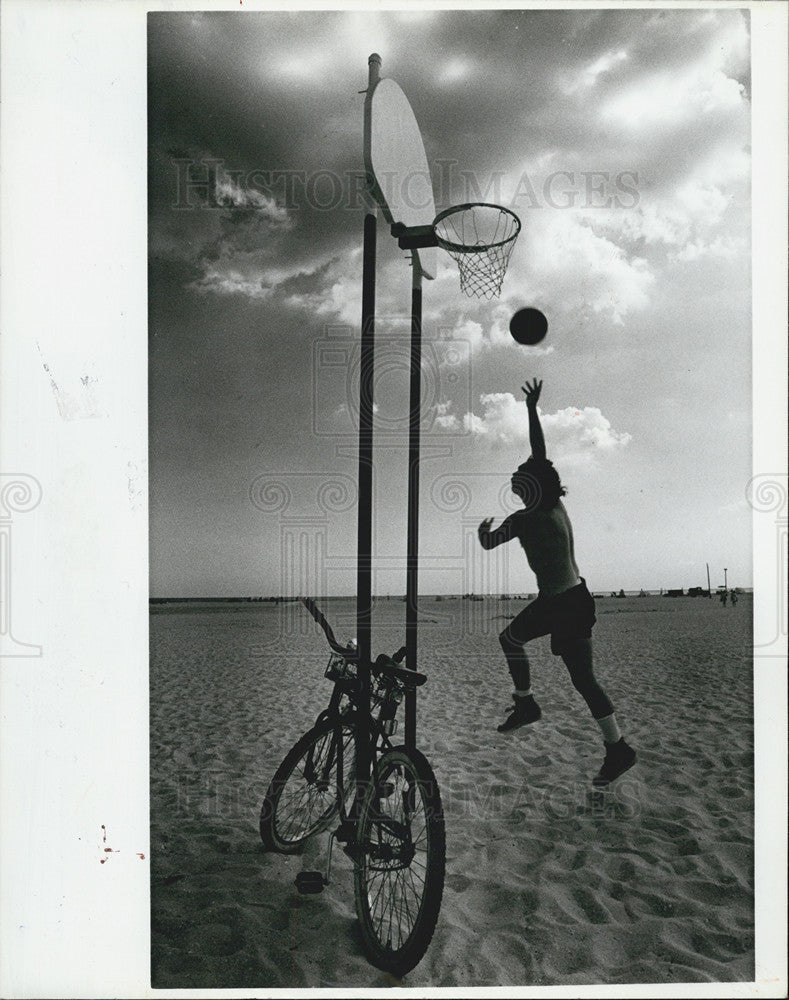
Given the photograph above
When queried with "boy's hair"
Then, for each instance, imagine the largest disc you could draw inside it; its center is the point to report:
(538, 485)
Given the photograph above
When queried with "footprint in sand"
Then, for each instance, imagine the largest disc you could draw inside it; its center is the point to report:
(688, 846)
(214, 939)
(627, 870)
(458, 883)
(659, 906)
(579, 861)
(731, 791)
(713, 894)
(721, 947)
(592, 909)
(574, 959)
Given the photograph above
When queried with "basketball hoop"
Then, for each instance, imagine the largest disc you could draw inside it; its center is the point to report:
(479, 237)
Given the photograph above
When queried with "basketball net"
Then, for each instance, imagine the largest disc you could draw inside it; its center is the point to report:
(479, 237)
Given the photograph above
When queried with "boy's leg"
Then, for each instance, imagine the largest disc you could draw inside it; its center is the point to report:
(517, 662)
(526, 625)
(577, 655)
(522, 628)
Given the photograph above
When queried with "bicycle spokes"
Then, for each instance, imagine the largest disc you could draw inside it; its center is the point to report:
(307, 793)
(396, 838)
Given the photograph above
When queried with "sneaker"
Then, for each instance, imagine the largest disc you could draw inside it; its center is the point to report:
(524, 711)
(619, 757)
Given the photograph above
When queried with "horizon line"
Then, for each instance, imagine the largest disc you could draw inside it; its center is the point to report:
(516, 595)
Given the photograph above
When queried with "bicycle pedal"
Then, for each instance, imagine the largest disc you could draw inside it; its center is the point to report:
(310, 883)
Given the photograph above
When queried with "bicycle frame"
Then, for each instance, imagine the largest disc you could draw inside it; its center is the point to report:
(375, 733)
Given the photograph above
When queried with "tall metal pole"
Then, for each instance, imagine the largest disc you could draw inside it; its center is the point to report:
(364, 596)
(412, 555)
(709, 585)
(365, 517)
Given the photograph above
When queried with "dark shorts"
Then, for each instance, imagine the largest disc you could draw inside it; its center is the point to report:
(566, 617)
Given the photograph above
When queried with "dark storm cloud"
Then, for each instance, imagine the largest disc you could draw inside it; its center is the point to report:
(216, 92)
(556, 72)
(274, 101)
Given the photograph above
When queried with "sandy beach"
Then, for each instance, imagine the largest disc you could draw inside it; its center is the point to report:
(545, 883)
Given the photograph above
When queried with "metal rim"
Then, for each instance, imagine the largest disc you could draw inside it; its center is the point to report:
(478, 247)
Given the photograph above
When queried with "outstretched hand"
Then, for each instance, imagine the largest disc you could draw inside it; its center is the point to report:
(484, 528)
(532, 392)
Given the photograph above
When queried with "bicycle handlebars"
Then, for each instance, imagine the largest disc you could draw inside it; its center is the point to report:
(349, 652)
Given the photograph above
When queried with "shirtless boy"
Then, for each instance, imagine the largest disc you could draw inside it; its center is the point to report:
(563, 607)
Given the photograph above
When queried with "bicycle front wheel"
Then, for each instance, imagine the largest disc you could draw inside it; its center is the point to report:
(400, 855)
(302, 799)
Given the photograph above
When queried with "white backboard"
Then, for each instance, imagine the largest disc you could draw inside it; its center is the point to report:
(396, 163)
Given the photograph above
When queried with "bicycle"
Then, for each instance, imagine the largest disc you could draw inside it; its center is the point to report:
(392, 821)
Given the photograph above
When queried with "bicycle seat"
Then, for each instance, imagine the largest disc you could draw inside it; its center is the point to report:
(411, 678)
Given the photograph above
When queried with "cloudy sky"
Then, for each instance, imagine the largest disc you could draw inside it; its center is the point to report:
(621, 138)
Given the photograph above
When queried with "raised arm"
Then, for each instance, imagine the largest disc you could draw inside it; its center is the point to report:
(536, 439)
(490, 539)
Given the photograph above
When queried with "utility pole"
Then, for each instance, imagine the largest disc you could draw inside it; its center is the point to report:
(725, 579)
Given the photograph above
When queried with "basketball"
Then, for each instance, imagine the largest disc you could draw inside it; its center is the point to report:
(528, 326)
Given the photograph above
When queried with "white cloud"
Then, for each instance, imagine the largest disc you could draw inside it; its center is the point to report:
(443, 418)
(469, 331)
(338, 291)
(672, 97)
(589, 75)
(334, 290)
(476, 326)
(230, 194)
(670, 108)
(571, 434)
(722, 247)
(239, 274)
(304, 66)
(580, 434)
(453, 70)
(687, 216)
(688, 129)
(574, 267)
(504, 419)
(699, 89)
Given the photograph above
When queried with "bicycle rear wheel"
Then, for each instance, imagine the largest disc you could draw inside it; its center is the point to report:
(302, 799)
(400, 854)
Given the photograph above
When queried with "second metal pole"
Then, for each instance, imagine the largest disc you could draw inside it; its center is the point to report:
(365, 520)
(412, 555)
